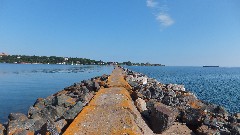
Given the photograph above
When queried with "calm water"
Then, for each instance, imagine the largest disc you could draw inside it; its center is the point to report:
(217, 85)
(21, 85)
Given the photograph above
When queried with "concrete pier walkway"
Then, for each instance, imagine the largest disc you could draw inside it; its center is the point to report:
(111, 111)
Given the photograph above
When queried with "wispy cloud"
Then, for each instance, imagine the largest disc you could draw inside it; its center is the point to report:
(161, 13)
(152, 3)
(165, 19)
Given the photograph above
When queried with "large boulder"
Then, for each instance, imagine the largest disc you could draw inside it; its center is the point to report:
(73, 112)
(18, 123)
(17, 117)
(162, 117)
(63, 100)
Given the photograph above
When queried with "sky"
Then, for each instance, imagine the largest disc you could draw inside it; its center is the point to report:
(170, 32)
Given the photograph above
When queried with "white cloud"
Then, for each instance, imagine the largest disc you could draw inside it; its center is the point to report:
(160, 9)
(152, 3)
(165, 19)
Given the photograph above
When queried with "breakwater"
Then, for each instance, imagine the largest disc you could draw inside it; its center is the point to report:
(162, 108)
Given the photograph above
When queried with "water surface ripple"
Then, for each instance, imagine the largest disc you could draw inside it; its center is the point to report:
(21, 85)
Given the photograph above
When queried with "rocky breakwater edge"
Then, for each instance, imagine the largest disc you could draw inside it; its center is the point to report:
(170, 109)
(166, 108)
(52, 115)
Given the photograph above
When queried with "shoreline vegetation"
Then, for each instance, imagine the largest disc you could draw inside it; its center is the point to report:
(25, 59)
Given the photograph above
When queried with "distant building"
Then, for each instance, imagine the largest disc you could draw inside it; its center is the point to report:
(66, 59)
(3, 54)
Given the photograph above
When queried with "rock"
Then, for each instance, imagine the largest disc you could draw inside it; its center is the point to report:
(60, 125)
(87, 82)
(204, 130)
(162, 117)
(85, 90)
(63, 100)
(167, 100)
(178, 129)
(141, 105)
(17, 117)
(39, 103)
(237, 115)
(235, 129)
(135, 95)
(147, 94)
(2, 129)
(154, 92)
(16, 125)
(32, 111)
(23, 132)
(104, 77)
(52, 113)
(85, 98)
(96, 86)
(178, 87)
(142, 80)
(73, 112)
(192, 117)
(49, 129)
(38, 124)
(133, 84)
(221, 111)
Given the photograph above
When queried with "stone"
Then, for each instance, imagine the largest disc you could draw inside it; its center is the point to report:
(16, 125)
(60, 125)
(133, 84)
(85, 98)
(178, 129)
(2, 129)
(235, 129)
(135, 95)
(167, 100)
(52, 112)
(142, 80)
(237, 116)
(23, 132)
(104, 77)
(32, 111)
(141, 105)
(17, 117)
(154, 92)
(96, 86)
(39, 103)
(192, 117)
(178, 87)
(85, 90)
(162, 117)
(73, 112)
(205, 130)
(87, 82)
(49, 129)
(63, 100)
(147, 94)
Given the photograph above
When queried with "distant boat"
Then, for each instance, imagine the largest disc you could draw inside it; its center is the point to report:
(210, 66)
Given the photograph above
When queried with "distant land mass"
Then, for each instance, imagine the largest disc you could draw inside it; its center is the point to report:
(25, 59)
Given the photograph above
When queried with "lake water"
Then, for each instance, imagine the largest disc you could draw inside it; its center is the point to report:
(22, 84)
(216, 85)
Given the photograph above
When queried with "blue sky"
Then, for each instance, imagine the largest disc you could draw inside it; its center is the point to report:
(171, 32)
